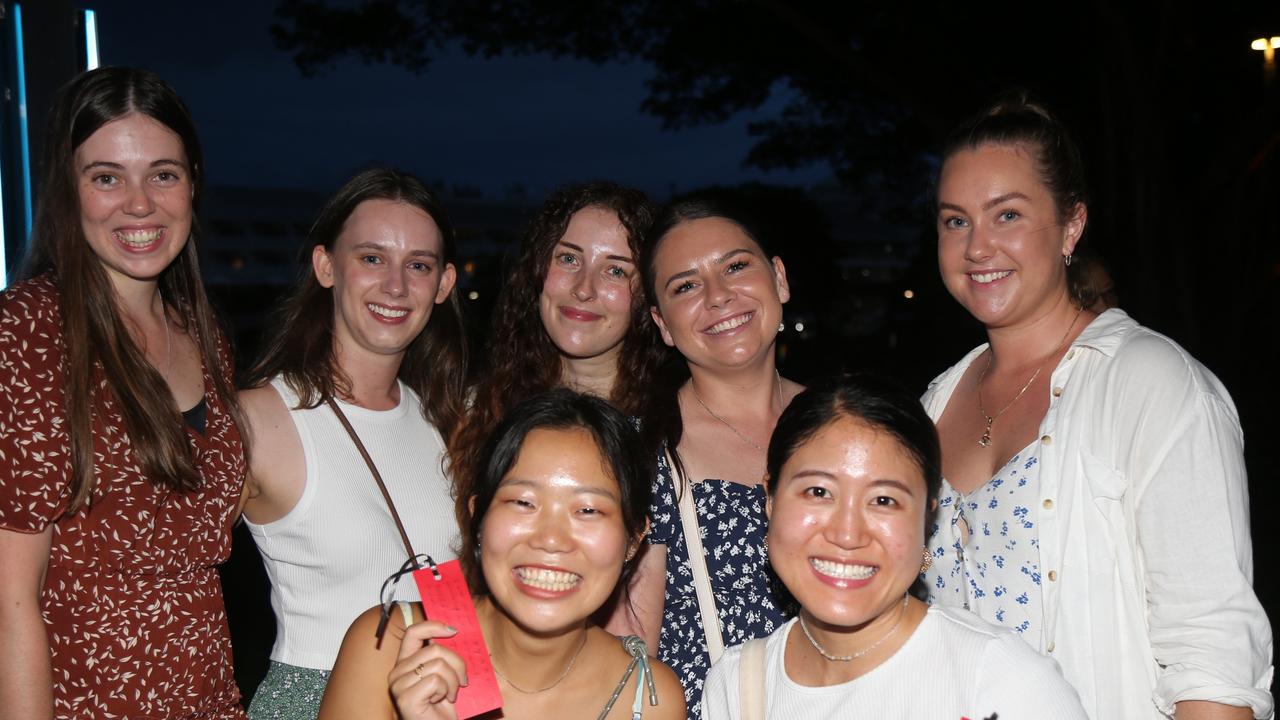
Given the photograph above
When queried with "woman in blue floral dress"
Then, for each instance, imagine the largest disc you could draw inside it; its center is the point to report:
(717, 298)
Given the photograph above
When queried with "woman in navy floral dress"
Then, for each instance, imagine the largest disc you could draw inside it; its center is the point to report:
(717, 299)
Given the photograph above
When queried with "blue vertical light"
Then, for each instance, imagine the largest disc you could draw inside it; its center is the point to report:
(4, 260)
(22, 120)
(91, 39)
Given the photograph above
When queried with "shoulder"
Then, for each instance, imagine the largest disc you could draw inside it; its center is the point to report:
(31, 306)
(361, 644)
(940, 388)
(670, 691)
(611, 655)
(1007, 670)
(1139, 361)
(263, 404)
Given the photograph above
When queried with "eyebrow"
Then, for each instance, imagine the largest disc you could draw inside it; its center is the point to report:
(1015, 195)
(621, 258)
(376, 246)
(719, 261)
(118, 166)
(579, 489)
(881, 482)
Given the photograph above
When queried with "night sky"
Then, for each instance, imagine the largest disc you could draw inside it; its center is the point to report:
(486, 123)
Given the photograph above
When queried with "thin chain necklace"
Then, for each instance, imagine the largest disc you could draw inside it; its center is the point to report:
(726, 423)
(985, 440)
(850, 658)
(568, 669)
(168, 347)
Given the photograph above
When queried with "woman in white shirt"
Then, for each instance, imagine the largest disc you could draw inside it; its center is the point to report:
(853, 472)
(1095, 498)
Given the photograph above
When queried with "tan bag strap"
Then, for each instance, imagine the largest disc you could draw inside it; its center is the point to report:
(751, 680)
(373, 469)
(698, 563)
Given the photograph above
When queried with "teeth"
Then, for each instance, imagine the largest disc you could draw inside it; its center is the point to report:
(730, 324)
(387, 312)
(841, 570)
(544, 579)
(139, 238)
(984, 278)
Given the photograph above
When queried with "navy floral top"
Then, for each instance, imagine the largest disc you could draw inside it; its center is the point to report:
(732, 520)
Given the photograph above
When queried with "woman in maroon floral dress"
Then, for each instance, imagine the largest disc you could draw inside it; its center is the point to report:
(120, 459)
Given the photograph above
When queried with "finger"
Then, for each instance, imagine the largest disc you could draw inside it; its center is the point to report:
(426, 656)
(418, 633)
(430, 681)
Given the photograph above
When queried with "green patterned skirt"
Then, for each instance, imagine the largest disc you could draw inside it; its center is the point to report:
(289, 692)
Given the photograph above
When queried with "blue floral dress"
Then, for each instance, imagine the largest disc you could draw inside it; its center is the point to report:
(995, 573)
(732, 520)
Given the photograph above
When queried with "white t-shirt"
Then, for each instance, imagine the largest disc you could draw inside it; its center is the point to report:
(955, 665)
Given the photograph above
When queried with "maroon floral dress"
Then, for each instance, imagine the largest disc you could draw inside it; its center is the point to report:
(131, 594)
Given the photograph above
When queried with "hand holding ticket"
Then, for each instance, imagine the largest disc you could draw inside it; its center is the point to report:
(452, 676)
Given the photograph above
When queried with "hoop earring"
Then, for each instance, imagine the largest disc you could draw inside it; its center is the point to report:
(781, 326)
(1067, 260)
(926, 559)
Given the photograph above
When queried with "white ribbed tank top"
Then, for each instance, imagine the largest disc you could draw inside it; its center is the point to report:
(327, 558)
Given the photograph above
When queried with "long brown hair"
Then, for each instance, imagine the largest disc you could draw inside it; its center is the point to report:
(301, 346)
(93, 331)
(522, 360)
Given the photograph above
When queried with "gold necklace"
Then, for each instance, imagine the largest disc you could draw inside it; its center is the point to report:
(724, 422)
(850, 658)
(985, 440)
(559, 680)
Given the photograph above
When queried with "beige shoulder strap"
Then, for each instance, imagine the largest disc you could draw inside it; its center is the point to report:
(698, 563)
(751, 680)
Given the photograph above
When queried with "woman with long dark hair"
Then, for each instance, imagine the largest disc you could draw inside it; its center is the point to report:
(717, 297)
(1095, 498)
(118, 425)
(572, 313)
(347, 409)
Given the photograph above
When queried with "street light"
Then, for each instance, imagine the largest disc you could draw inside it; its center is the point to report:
(1268, 48)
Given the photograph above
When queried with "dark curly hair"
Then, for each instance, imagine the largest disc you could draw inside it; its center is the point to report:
(522, 360)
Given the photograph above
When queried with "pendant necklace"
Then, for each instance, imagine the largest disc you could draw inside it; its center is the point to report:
(985, 440)
(849, 658)
(726, 423)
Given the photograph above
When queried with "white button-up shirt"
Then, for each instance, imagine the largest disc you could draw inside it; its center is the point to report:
(1144, 528)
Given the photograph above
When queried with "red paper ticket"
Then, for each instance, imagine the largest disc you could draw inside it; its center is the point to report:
(445, 599)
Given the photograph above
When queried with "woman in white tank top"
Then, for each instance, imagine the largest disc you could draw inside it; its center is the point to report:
(368, 358)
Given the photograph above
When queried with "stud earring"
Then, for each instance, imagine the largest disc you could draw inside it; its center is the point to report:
(781, 326)
(926, 558)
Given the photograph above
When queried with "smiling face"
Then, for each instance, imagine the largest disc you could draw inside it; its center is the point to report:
(1001, 237)
(846, 523)
(553, 541)
(135, 197)
(387, 273)
(719, 299)
(586, 299)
